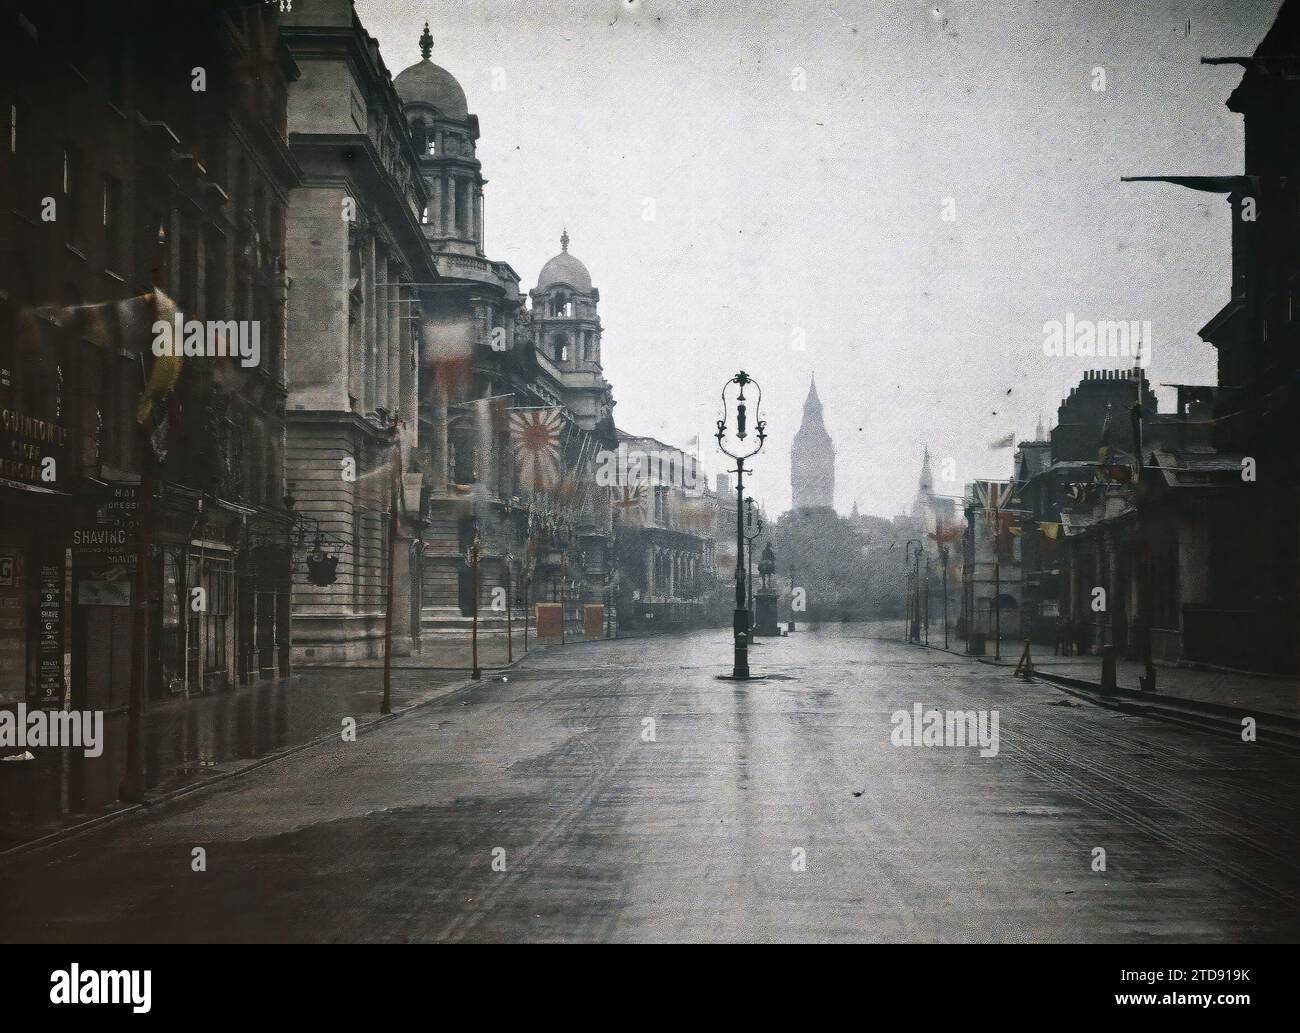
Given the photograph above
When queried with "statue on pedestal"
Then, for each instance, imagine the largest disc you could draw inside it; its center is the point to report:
(767, 565)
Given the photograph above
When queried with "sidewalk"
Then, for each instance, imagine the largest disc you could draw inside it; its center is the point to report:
(188, 742)
(191, 742)
(452, 654)
(1249, 693)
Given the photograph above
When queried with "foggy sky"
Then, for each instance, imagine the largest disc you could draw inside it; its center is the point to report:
(776, 210)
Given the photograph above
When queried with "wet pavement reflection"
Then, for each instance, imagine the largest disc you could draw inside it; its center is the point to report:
(189, 741)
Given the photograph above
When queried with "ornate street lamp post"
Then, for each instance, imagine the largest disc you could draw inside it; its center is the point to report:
(943, 556)
(912, 621)
(740, 619)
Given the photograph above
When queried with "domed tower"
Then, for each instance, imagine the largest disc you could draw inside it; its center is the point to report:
(566, 328)
(445, 134)
(812, 458)
(470, 319)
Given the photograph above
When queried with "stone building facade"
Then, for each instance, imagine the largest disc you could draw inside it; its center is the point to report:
(486, 354)
(142, 191)
(357, 259)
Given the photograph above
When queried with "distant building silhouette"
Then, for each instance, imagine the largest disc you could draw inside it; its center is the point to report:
(812, 458)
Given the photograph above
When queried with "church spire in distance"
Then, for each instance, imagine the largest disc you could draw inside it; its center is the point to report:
(812, 458)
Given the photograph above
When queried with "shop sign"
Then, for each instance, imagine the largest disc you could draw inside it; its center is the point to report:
(49, 639)
(33, 451)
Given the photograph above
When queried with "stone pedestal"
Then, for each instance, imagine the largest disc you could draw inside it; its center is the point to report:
(765, 612)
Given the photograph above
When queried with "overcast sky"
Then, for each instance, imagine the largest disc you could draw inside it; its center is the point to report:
(721, 210)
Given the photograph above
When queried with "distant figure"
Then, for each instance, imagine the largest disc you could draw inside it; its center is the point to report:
(1064, 638)
(1082, 636)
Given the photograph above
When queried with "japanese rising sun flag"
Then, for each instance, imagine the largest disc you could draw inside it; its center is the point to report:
(535, 439)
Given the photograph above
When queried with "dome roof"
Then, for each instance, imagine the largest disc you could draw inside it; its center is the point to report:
(564, 268)
(428, 83)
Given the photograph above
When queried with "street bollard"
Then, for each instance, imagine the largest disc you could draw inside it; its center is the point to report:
(1108, 670)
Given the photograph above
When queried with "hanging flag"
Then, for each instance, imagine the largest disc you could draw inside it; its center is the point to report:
(945, 534)
(488, 427)
(1005, 530)
(633, 497)
(535, 438)
(1007, 442)
(166, 369)
(991, 495)
(1050, 529)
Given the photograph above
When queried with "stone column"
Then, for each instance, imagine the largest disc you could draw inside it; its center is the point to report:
(408, 357)
(403, 589)
(369, 327)
(396, 354)
(439, 445)
(435, 205)
(450, 230)
(381, 293)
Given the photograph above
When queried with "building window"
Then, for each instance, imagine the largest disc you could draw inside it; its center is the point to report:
(214, 273)
(13, 128)
(72, 189)
(111, 217)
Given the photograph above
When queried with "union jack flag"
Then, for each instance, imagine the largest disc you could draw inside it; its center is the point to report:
(992, 495)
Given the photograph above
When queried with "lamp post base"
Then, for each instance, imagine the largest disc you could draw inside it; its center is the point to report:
(742, 640)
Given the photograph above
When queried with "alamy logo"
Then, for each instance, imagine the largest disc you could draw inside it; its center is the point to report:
(923, 727)
(120, 986)
(635, 467)
(1127, 338)
(212, 338)
(80, 729)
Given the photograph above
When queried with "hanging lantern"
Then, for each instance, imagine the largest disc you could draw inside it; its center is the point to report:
(322, 567)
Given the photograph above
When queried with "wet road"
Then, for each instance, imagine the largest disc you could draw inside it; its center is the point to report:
(775, 810)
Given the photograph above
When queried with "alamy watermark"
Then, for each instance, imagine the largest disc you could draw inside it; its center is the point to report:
(91, 986)
(1087, 338)
(921, 727)
(212, 338)
(80, 729)
(630, 468)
